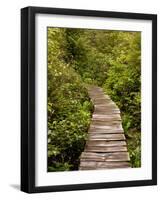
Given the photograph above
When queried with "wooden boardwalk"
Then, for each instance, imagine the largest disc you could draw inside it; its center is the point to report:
(106, 144)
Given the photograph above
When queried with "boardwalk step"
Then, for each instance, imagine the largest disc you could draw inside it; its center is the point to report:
(102, 131)
(107, 122)
(108, 108)
(109, 137)
(106, 116)
(115, 156)
(106, 127)
(102, 168)
(106, 143)
(104, 165)
(106, 149)
(107, 112)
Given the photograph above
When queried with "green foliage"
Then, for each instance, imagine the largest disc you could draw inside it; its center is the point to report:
(123, 85)
(69, 108)
(134, 147)
(110, 59)
(85, 54)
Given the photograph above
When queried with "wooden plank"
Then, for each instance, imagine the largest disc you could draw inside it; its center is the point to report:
(104, 131)
(106, 137)
(115, 156)
(109, 107)
(98, 93)
(101, 98)
(104, 106)
(105, 116)
(106, 143)
(101, 101)
(110, 103)
(104, 165)
(108, 123)
(111, 119)
(94, 168)
(106, 149)
(98, 102)
(95, 88)
(101, 117)
(106, 120)
(95, 92)
(106, 112)
(106, 127)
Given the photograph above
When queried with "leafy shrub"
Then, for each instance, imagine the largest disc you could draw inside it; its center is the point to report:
(69, 108)
(123, 84)
(110, 59)
(68, 121)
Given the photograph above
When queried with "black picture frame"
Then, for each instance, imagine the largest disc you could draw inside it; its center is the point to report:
(28, 98)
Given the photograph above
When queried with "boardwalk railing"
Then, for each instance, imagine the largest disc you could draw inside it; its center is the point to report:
(106, 144)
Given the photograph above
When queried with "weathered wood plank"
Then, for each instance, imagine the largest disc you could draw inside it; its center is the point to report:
(102, 98)
(106, 136)
(98, 94)
(104, 165)
(104, 117)
(106, 120)
(106, 105)
(101, 101)
(104, 131)
(106, 112)
(97, 107)
(94, 168)
(106, 127)
(108, 123)
(115, 156)
(106, 149)
(105, 143)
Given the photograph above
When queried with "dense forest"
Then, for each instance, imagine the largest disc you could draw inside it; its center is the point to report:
(77, 58)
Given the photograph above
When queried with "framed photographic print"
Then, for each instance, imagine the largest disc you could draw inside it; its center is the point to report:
(88, 99)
